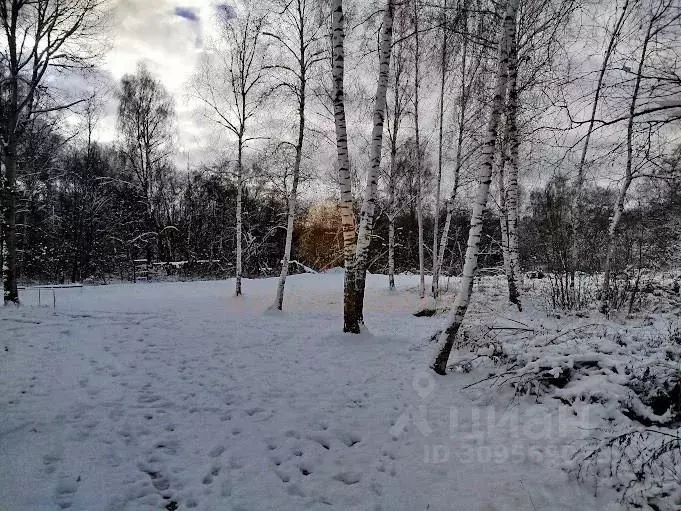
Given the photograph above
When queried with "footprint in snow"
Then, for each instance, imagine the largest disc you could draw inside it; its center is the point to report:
(226, 488)
(216, 451)
(348, 477)
(321, 438)
(259, 415)
(296, 490)
(160, 482)
(159, 479)
(305, 468)
(282, 475)
(65, 491)
(291, 433)
(387, 463)
(168, 446)
(349, 439)
(50, 461)
(236, 464)
(388, 453)
(212, 474)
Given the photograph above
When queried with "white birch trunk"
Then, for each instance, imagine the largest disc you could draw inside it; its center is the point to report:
(350, 320)
(367, 215)
(458, 313)
(292, 201)
(578, 199)
(511, 189)
(628, 176)
(435, 284)
(419, 221)
(459, 149)
(419, 177)
(392, 207)
(503, 212)
(391, 252)
(391, 199)
(612, 230)
(293, 196)
(445, 231)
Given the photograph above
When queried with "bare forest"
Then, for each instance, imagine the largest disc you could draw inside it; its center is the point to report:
(494, 183)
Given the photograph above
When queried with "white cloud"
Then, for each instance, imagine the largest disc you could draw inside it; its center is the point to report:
(160, 34)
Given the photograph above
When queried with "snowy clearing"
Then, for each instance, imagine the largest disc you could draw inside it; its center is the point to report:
(165, 396)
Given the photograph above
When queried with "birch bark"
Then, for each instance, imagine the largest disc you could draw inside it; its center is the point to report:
(367, 215)
(503, 210)
(307, 55)
(463, 103)
(511, 188)
(419, 177)
(458, 313)
(392, 206)
(435, 284)
(579, 185)
(350, 318)
(628, 174)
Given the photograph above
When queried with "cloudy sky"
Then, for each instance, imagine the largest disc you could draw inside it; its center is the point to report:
(168, 36)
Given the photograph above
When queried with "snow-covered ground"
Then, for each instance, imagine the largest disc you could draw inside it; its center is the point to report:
(167, 396)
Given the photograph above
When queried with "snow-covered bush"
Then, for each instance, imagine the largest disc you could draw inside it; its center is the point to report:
(622, 378)
(562, 291)
(643, 464)
(630, 288)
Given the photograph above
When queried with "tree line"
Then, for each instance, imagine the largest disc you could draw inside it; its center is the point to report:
(462, 134)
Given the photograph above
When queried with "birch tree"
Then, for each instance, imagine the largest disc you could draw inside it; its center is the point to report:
(539, 22)
(662, 15)
(300, 40)
(400, 97)
(470, 64)
(581, 168)
(503, 210)
(447, 336)
(230, 83)
(350, 313)
(419, 177)
(37, 36)
(509, 189)
(368, 211)
(440, 158)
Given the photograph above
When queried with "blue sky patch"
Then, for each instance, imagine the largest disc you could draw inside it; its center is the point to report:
(187, 13)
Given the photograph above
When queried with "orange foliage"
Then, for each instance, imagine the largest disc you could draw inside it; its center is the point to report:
(320, 237)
